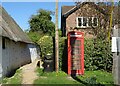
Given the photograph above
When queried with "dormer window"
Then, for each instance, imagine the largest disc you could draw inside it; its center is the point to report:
(83, 22)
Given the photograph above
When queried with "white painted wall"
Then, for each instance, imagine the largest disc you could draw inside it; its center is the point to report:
(14, 55)
(33, 52)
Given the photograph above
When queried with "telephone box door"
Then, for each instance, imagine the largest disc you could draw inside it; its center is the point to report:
(75, 53)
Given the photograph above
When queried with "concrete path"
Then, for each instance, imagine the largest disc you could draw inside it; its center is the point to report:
(28, 73)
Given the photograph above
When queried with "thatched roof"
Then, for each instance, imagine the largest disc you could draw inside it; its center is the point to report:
(10, 28)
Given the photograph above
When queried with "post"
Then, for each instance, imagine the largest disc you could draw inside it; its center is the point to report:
(116, 55)
(111, 18)
(56, 39)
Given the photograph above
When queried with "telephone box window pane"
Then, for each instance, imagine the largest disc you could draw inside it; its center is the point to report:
(75, 54)
(89, 21)
(79, 22)
(75, 43)
(75, 51)
(84, 21)
(76, 64)
(95, 21)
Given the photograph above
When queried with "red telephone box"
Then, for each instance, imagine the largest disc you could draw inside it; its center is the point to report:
(75, 53)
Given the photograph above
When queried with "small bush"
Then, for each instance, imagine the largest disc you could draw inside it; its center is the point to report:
(62, 51)
(46, 45)
(91, 80)
(98, 77)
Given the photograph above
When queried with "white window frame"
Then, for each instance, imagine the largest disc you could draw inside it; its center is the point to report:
(87, 22)
(93, 22)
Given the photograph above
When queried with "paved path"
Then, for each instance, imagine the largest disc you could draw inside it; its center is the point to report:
(28, 73)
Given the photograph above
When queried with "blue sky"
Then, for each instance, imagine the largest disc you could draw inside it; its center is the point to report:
(22, 11)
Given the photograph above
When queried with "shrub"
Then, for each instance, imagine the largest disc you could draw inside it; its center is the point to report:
(98, 55)
(35, 36)
(91, 80)
(62, 51)
(46, 45)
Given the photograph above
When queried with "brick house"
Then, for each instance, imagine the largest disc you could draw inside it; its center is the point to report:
(85, 17)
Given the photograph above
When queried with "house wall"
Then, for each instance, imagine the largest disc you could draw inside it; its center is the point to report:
(14, 55)
(33, 52)
(85, 11)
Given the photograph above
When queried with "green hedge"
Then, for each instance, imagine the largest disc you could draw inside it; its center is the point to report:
(98, 55)
(62, 52)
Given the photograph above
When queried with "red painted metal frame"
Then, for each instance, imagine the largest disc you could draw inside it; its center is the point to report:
(81, 38)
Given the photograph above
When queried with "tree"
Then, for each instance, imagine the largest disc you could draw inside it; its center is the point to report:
(42, 22)
(35, 36)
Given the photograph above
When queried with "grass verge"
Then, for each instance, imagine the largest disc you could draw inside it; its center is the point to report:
(16, 79)
(89, 78)
(53, 78)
